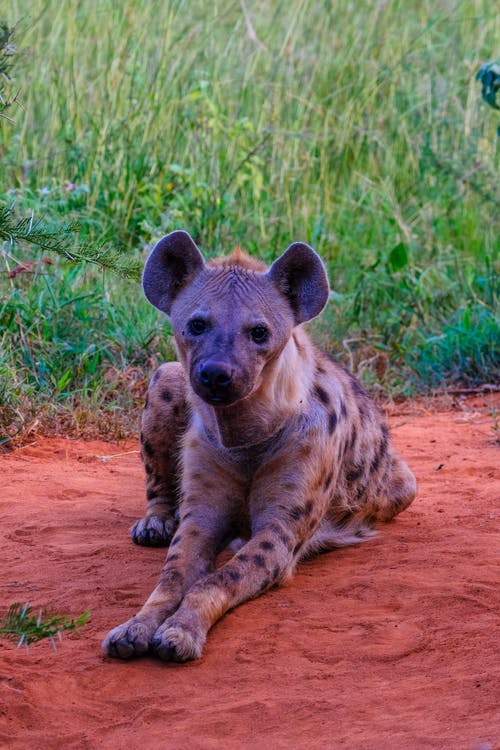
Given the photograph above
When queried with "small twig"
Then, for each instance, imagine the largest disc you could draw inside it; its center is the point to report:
(248, 156)
(486, 388)
(250, 29)
(116, 455)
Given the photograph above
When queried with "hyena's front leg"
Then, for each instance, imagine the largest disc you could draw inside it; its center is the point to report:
(163, 423)
(201, 534)
(281, 527)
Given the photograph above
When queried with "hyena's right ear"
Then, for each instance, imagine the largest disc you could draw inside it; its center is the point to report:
(172, 262)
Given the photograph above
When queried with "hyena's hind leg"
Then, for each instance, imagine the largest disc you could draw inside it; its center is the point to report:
(390, 492)
(399, 490)
(163, 423)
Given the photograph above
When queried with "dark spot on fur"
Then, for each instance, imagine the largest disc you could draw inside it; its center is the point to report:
(295, 512)
(353, 439)
(146, 402)
(321, 394)
(177, 538)
(312, 524)
(243, 557)
(149, 469)
(266, 545)
(375, 462)
(156, 376)
(148, 448)
(194, 533)
(166, 395)
(234, 575)
(328, 480)
(343, 410)
(173, 557)
(186, 515)
(260, 561)
(321, 370)
(265, 583)
(382, 450)
(150, 493)
(354, 474)
(297, 548)
(175, 411)
(276, 572)
(342, 520)
(332, 422)
(379, 455)
(308, 508)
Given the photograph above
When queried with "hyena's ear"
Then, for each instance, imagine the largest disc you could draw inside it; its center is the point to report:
(173, 261)
(301, 276)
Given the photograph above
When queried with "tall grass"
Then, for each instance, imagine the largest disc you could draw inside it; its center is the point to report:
(358, 127)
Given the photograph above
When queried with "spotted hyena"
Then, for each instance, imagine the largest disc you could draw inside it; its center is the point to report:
(254, 434)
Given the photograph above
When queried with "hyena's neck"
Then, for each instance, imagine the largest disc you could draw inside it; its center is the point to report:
(283, 392)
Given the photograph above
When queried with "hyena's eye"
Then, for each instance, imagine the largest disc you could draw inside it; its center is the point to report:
(197, 326)
(259, 334)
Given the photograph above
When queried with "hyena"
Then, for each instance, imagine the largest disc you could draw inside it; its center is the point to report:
(255, 434)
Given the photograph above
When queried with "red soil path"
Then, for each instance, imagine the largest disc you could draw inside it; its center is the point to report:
(385, 646)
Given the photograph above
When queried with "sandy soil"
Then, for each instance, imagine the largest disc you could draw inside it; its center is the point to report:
(389, 645)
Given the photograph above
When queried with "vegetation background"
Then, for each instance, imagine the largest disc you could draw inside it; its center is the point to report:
(355, 126)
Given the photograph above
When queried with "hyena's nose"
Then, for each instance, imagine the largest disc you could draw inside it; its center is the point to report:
(216, 376)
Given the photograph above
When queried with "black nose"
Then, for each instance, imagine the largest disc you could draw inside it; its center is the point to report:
(216, 376)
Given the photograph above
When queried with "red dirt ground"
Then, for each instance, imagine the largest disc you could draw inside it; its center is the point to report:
(385, 646)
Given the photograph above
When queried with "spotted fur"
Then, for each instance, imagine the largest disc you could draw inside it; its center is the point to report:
(255, 433)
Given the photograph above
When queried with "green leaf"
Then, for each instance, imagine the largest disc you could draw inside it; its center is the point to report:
(64, 379)
(398, 257)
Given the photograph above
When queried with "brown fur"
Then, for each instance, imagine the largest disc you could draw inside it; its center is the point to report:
(282, 448)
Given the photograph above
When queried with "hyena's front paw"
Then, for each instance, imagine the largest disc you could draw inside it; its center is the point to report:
(180, 638)
(129, 639)
(153, 531)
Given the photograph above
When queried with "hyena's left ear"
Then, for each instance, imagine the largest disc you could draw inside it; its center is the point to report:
(174, 261)
(301, 276)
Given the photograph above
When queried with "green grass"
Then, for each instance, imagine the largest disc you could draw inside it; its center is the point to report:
(358, 127)
(21, 624)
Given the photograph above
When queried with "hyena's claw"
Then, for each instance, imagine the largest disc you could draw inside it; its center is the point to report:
(153, 531)
(177, 641)
(128, 640)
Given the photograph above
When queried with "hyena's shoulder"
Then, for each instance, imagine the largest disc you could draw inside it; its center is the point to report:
(342, 396)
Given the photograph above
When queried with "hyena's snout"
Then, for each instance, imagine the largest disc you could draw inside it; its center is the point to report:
(217, 382)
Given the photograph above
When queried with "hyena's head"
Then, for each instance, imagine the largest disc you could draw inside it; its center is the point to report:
(232, 317)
